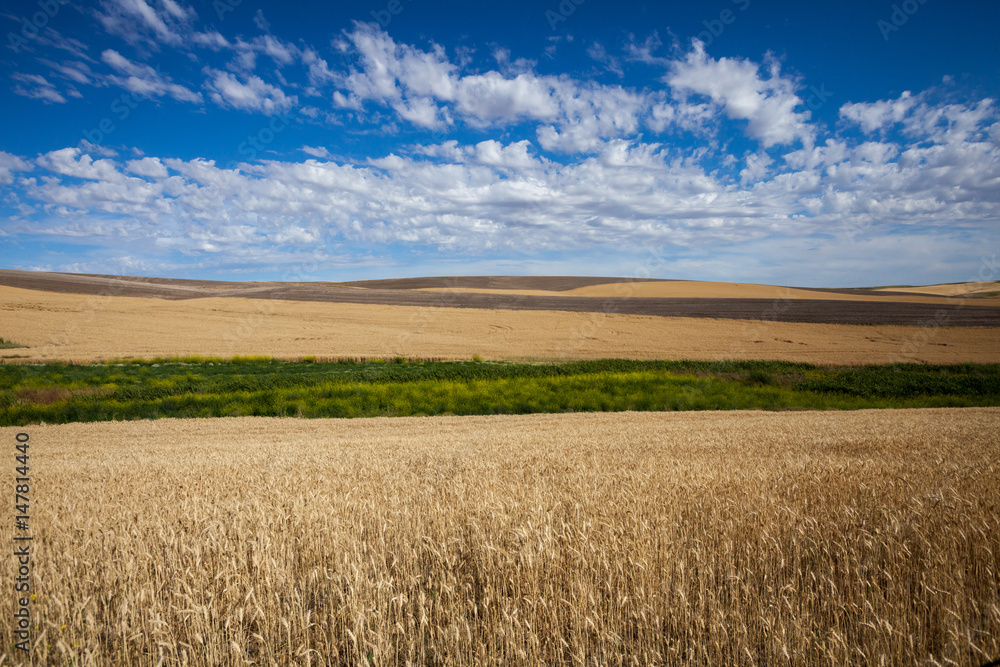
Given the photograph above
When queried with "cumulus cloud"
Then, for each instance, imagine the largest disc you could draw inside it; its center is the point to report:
(147, 166)
(490, 152)
(251, 94)
(767, 103)
(756, 168)
(872, 116)
(9, 165)
(545, 162)
(428, 90)
(493, 195)
(72, 162)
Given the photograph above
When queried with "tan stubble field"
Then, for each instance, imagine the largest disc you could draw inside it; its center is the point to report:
(82, 328)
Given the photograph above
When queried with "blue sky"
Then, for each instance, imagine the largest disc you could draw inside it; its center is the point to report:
(812, 144)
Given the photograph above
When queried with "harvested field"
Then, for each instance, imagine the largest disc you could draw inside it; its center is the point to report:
(72, 327)
(951, 289)
(816, 538)
(504, 283)
(831, 308)
(693, 289)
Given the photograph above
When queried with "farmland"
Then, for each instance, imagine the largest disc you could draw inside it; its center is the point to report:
(866, 537)
(64, 326)
(223, 474)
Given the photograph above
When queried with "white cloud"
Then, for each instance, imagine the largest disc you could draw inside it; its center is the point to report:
(316, 151)
(768, 104)
(78, 72)
(319, 72)
(147, 166)
(493, 196)
(139, 22)
(124, 65)
(36, 87)
(493, 97)
(427, 90)
(756, 169)
(253, 94)
(917, 162)
(90, 147)
(143, 80)
(211, 39)
(597, 52)
(495, 154)
(812, 157)
(283, 54)
(875, 152)
(9, 165)
(877, 115)
(644, 52)
(52, 37)
(71, 162)
(950, 123)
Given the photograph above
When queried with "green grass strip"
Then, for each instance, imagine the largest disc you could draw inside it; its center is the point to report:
(61, 393)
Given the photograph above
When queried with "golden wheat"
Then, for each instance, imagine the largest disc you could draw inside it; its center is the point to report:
(752, 538)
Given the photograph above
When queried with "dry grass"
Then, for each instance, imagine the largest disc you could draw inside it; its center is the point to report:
(81, 328)
(50, 395)
(750, 538)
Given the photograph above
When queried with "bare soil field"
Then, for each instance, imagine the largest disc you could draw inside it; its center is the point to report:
(817, 538)
(81, 328)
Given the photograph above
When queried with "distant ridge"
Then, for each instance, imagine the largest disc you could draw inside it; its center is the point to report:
(547, 283)
(879, 310)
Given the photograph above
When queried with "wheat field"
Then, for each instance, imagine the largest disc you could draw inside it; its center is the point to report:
(749, 538)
